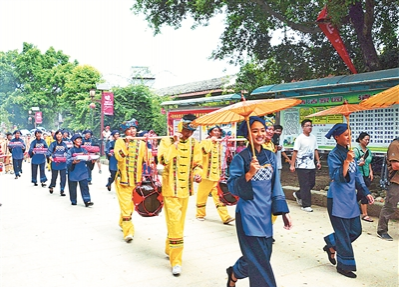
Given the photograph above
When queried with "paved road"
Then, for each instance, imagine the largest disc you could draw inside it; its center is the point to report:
(45, 241)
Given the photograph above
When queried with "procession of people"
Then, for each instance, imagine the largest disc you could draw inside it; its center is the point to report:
(254, 178)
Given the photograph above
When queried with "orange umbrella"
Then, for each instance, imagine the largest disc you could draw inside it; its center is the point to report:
(345, 110)
(241, 111)
(384, 99)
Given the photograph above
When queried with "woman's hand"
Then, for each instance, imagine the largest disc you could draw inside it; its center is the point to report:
(287, 221)
(370, 198)
(254, 166)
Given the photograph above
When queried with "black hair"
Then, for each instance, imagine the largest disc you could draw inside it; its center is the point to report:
(305, 121)
(189, 117)
(362, 136)
(278, 127)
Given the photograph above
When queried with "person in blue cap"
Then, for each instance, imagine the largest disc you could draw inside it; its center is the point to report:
(77, 172)
(38, 159)
(88, 141)
(58, 149)
(113, 163)
(342, 205)
(254, 178)
(17, 148)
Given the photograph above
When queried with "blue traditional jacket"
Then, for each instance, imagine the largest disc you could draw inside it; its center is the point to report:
(260, 197)
(57, 149)
(343, 189)
(37, 158)
(18, 151)
(113, 163)
(78, 171)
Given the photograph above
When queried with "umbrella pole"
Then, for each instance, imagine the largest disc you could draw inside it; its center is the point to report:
(349, 129)
(250, 138)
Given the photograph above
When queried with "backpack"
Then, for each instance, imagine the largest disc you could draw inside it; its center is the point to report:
(385, 180)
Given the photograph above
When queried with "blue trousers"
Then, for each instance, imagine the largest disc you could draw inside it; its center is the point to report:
(17, 165)
(41, 167)
(89, 171)
(54, 175)
(84, 190)
(111, 178)
(255, 262)
(345, 232)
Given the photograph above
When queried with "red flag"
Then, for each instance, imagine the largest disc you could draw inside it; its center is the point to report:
(108, 103)
(38, 117)
(332, 34)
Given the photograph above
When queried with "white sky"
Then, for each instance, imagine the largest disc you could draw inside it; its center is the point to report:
(108, 36)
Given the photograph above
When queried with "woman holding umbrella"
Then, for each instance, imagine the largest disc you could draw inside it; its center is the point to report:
(341, 202)
(254, 178)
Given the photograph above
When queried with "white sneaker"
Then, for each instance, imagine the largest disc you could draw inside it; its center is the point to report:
(308, 209)
(299, 201)
(128, 238)
(200, 218)
(176, 270)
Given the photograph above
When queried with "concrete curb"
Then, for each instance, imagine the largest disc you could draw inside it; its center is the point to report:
(320, 198)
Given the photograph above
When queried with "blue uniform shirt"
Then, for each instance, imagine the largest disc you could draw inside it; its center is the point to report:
(77, 172)
(113, 163)
(37, 158)
(343, 189)
(57, 149)
(18, 151)
(259, 197)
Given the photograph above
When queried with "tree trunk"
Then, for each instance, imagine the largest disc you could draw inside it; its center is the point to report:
(363, 25)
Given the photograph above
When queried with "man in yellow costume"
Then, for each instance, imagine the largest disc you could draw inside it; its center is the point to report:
(212, 150)
(129, 153)
(181, 157)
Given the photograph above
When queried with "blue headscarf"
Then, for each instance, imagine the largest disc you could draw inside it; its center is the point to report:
(336, 130)
(87, 132)
(76, 136)
(114, 132)
(128, 124)
(243, 129)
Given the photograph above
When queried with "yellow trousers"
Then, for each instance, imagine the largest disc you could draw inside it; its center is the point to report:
(175, 210)
(125, 198)
(204, 188)
(8, 163)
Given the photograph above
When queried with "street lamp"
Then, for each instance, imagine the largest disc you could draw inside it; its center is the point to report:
(101, 87)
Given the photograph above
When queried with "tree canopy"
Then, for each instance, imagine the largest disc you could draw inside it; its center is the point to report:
(368, 28)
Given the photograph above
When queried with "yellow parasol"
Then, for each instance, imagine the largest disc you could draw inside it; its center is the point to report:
(345, 109)
(384, 99)
(241, 111)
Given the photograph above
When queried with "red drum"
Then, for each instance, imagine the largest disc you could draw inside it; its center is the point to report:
(91, 148)
(225, 195)
(147, 198)
(59, 159)
(40, 150)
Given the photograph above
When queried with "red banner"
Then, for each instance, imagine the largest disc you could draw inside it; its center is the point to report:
(38, 117)
(332, 34)
(108, 103)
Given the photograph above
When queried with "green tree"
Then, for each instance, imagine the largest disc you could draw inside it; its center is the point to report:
(369, 30)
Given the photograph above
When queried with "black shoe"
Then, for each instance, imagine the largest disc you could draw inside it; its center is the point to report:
(229, 272)
(89, 203)
(50, 190)
(35, 184)
(44, 185)
(329, 253)
(90, 183)
(19, 174)
(62, 194)
(108, 187)
(349, 274)
(16, 177)
(385, 236)
(73, 203)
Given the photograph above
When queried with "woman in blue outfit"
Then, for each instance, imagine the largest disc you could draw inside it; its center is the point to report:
(38, 159)
(17, 148)
(113, 163)
(254, 178)
(58, 149)
(342, 205)
(77, 172)
(88, 141)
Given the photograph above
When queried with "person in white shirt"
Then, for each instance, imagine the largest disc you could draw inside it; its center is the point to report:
(279, 149)
(305, 152)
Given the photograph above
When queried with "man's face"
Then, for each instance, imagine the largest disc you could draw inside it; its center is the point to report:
(17, 135)
(186, 134)
(9, 137)
(278, 131)
(132, 131)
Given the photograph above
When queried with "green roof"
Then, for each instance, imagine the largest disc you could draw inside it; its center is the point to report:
(196, 101)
